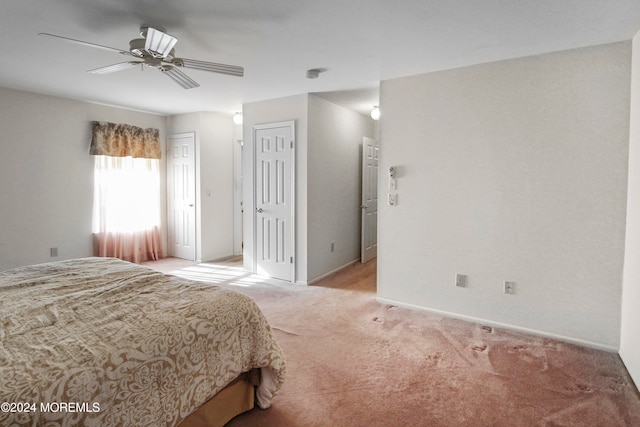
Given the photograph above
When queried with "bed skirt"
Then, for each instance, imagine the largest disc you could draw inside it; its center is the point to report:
(236, 398)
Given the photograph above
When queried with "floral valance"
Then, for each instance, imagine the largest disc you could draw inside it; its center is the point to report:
(121, 140)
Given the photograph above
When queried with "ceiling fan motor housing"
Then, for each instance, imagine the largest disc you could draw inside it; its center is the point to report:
(136, 47)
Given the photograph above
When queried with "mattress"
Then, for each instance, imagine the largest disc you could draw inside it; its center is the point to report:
(100, 341)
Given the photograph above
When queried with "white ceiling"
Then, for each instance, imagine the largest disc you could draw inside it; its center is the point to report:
(359, 42)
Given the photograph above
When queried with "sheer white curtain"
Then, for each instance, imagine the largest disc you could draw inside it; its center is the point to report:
(126, 208)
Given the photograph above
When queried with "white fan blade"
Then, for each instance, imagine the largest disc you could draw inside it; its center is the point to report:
(232, 70)
(99, 46)
(115, 67)
(179, 77)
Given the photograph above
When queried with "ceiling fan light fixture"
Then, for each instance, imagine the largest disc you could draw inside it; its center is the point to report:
(155, 49)
(158, 44)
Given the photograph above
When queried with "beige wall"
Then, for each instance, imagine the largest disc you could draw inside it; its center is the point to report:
(46, 196)
(514, 170)
(630, 334)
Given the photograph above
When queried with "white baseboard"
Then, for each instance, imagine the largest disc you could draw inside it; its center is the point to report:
(223, 258)
(577, 341)
(317, 279)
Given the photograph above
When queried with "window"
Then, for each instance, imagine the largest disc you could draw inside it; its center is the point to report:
(126, 207)
(126, 194)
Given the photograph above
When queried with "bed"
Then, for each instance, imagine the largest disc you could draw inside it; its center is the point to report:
(104, 342)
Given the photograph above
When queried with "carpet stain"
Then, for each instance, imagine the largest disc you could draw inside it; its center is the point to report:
(433, 359)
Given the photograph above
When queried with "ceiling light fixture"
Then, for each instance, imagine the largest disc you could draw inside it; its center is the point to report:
(375, 113)
(314, 73)
(237, 118)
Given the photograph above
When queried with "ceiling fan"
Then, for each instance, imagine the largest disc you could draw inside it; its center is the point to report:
(155, 49)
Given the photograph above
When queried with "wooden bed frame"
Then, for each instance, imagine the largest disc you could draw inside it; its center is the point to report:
(233, 400)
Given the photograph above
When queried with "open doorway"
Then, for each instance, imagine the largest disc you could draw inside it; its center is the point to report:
(238, 205)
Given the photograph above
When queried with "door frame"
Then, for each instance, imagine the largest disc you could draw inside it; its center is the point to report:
(169, 189)
(238, 205)
(367, 255)
(254, 215)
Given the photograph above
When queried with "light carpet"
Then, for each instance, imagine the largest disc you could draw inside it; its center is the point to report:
(355, 362)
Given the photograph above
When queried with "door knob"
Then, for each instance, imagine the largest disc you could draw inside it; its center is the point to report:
(259, 210)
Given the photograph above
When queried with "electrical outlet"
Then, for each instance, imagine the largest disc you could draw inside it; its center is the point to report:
(333, 246)
(509, 287)
(53, 252)
(461, 280)
(393, 199)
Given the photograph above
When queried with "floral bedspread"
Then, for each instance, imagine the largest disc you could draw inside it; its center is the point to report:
(103, 342)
